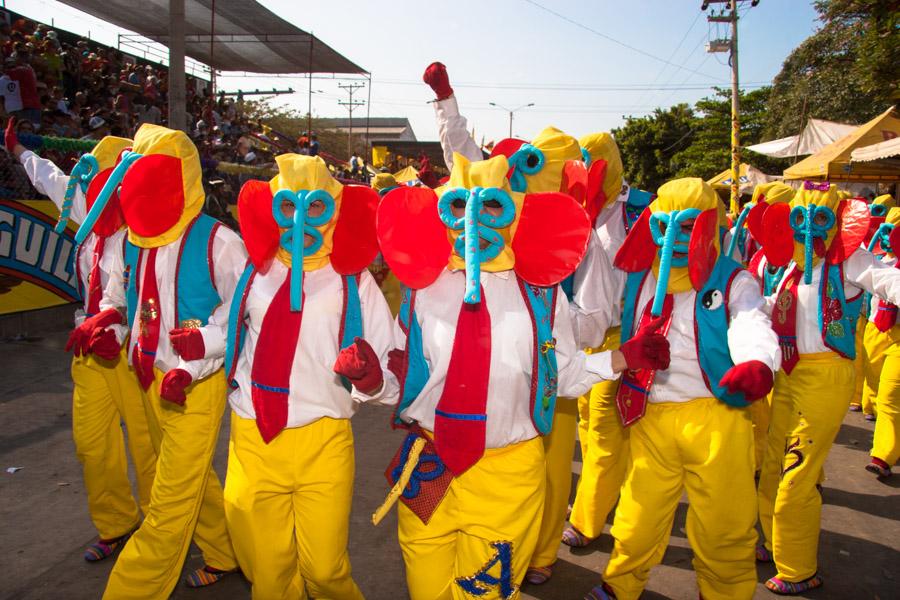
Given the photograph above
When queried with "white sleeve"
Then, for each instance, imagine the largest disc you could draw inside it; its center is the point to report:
(750, 334)
(453, 132)
(114, 293)
(379, 332)
(229, 259)
(577, 371)
(49, 180)
(594, 298)
(863, 270)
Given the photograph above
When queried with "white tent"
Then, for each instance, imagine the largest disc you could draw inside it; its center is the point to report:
(889, 149)
(816, 135)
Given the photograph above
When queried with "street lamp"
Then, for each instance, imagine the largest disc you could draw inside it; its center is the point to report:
(511, 111)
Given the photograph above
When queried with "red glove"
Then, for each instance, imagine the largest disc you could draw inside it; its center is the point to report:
(436, 77)
(104, 344)
(173, 385)
(396, 360)
(359, 363)
(753, 378)
(80, 338)
(9, 137)
(648, 349)
(188, 343)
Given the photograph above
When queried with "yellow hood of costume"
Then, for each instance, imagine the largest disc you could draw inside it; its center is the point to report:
(107, 151)
(155, 139)
(557, 148)
(489, 173)
(602, 146)
(893, 216)
(299, 172)
(884, 200)
(774, 192)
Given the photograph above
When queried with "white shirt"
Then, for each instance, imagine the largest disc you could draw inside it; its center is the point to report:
(750, 337)
(12, 97)
(49, 180)
(316, 391)
(610, 227)
(228, 260)
(888, 259)
(596, 303)
(453, 132)
(862, 271)
(509, 387)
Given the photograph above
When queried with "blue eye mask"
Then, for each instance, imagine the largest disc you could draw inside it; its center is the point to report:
(882, 237)
(84, 171)
(476, 225)
(670, 241)
(297, 227)
(806, 231)
(878, 210)
(527, 160)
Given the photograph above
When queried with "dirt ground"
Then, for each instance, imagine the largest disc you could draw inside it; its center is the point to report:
(45, 524)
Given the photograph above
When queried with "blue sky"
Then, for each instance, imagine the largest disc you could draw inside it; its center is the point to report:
(514, 52)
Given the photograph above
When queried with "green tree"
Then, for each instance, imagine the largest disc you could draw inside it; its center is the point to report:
(292, 123)
(648, 144)
(847, 71)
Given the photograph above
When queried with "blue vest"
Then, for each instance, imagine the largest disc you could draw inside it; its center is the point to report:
(351, 320)
(839, 334)
(196, 295)
(710, 324)
(541, 305)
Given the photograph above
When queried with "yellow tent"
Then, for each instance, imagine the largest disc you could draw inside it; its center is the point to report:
(833, 162)
(749, 178)
(406, 174)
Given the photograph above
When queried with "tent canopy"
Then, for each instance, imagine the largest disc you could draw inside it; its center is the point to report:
(816, 135)
(750, 177)
(880, 151)
(247, 36)
(833, 162)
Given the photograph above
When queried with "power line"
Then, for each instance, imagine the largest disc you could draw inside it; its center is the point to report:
(611, 39)
(571, 87)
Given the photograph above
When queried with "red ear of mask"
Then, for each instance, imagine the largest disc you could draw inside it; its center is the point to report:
(755, 218)
(111, 219)
(551, 238)
(895, 240)
(776, 236)
(874, 224)
(412, 238)
(852, 226)
(702, 252)
(596, 197)
(575, 181)
(355, 241)
(506, 147)
(638, 250)
(755, 261)
(152, 195)
(258, 226)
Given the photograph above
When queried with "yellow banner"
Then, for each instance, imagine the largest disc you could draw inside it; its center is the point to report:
(36, 268)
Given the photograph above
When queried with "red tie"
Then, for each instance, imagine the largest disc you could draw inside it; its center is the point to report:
(784, 320)
(273, 360)
(460, 421)
(95, 286)
(631, 399)
(144, 354)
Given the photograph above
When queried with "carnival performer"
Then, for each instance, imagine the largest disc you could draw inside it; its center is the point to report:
(882, 340)
(604, 441)
(814, 313)
(489, 342)
(739, 243)
(105, 391)
(179, 275)
(689, 428)
(299, 368)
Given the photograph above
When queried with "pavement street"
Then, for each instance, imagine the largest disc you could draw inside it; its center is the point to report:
(45, 524)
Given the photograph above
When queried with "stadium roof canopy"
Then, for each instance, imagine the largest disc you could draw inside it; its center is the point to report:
(246, 36)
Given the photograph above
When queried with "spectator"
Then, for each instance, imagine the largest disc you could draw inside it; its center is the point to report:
(146, 112)
(98, 129)
(313, 144)
(22, 73)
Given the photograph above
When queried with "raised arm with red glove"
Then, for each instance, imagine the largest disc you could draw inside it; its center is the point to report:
(80, 338)
(188, 343)
(648, 349)
(754, 378)
(11, 140)
(359, 363)
(436, 77)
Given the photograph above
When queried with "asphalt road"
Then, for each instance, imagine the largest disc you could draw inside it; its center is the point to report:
(45, 525)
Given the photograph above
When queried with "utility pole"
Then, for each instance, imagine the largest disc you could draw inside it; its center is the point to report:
(350, 88)
(511, 111)
(731, 46)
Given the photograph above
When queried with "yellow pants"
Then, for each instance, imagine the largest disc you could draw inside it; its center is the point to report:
(808, 408)
(186, 499)
(287, 505)
(760, 415)
(605, 457)
(107, 394)
(485, 528)
(876, 343)
(706, 448)
(859, 364)
(559, 448)
(886, 444)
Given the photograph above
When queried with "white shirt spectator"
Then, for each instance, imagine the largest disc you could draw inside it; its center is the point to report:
(12, 98)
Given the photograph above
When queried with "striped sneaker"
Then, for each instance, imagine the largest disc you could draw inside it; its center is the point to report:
(205, 576)
(879, 467)
(104, 548)
(790, 588)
